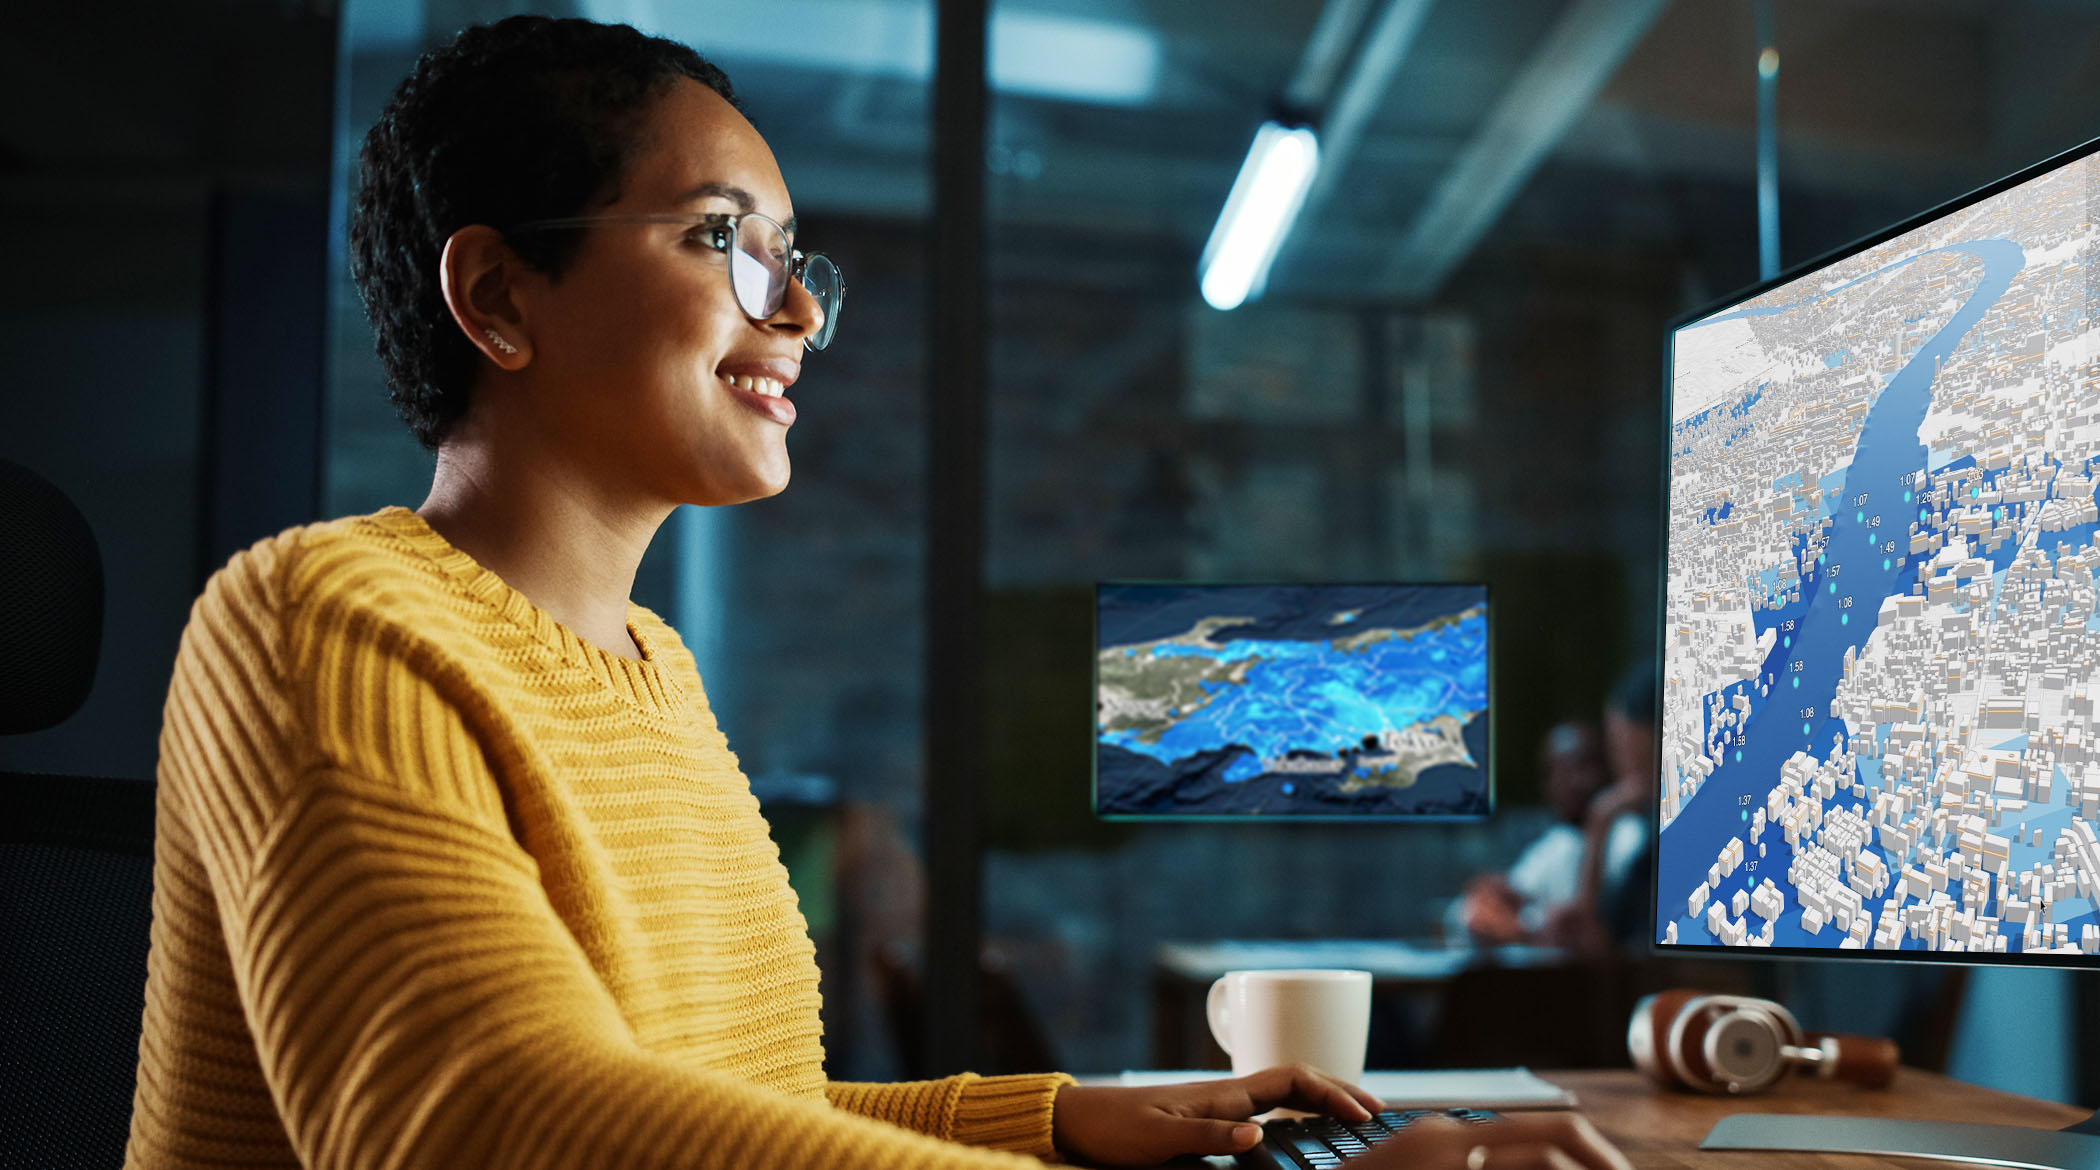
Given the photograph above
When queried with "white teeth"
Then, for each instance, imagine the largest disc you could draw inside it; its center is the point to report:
(755, 384)
(752, 383)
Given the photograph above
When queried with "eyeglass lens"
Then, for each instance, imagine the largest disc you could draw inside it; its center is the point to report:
(821, 277)
(759, 272)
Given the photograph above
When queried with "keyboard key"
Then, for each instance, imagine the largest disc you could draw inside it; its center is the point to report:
(1321, 1143)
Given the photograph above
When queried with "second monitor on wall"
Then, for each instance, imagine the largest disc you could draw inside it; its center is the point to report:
(1298, 701)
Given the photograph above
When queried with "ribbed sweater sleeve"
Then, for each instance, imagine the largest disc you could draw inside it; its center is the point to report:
(1003, 1113)
(391, 934)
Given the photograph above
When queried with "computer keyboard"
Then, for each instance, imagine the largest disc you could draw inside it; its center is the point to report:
(1321, 1143)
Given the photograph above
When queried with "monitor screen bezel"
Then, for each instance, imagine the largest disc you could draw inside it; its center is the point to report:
(1723, 304)
(1487, 593)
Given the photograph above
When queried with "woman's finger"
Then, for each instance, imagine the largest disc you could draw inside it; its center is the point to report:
(1511, 1143)
(1361, 1096)
(1300, 1086)
(1210, 1136)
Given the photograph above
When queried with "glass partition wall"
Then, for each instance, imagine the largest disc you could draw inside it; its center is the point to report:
(1453, 374)
(1346, 426)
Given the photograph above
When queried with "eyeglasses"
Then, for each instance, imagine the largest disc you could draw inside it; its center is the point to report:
(762, 260)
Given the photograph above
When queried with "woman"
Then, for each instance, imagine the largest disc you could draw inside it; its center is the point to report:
(454, 867)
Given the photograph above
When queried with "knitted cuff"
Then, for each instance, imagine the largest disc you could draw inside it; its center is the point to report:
(1009, 1113)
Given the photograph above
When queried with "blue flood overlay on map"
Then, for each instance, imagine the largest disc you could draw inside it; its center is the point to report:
(1837, 611)
(1301, 697)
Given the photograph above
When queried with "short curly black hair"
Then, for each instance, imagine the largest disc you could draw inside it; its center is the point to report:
(528, 118)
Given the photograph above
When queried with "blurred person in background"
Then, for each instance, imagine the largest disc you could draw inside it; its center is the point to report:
(1513, 906)
(1610, 907)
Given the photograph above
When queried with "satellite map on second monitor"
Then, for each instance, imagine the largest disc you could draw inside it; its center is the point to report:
(1292, 700)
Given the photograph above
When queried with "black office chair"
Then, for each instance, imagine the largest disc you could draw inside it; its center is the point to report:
(76, 860)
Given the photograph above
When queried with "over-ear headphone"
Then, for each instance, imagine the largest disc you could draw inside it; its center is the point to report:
(1736, 1044)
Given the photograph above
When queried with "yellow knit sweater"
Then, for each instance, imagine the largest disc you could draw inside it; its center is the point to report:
(439, 884)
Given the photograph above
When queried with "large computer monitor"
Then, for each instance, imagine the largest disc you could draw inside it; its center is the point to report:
(1297, 701)
(1881, 625)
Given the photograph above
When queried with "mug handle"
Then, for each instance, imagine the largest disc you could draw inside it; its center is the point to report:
(1219, 1015)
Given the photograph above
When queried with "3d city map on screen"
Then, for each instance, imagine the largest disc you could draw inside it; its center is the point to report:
(1291, 701)
(1880, 629)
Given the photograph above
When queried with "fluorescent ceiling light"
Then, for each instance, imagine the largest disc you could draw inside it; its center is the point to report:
(1258, 214)
(1037, 54)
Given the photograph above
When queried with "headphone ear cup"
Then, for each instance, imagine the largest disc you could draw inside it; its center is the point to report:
(1744, 1048)
(1648, 1036)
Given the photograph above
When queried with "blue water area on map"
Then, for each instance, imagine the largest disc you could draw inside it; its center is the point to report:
(1836, 613)
(1719, 410)
(1301, 696)
(1737, 409)
(1131, 784)
(1309, 697)
(1826, 294)
(1832, 361)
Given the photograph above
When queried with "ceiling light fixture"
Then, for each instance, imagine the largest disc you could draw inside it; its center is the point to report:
(1258, 214)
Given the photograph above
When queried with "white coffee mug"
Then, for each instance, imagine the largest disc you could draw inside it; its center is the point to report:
(1317, 1017)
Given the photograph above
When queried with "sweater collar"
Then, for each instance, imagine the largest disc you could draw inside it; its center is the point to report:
(646, 683)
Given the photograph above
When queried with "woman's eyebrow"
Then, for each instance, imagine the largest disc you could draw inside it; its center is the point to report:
(733, 193)
(719, 190)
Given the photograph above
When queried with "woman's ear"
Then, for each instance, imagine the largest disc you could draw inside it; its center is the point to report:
(475, 274)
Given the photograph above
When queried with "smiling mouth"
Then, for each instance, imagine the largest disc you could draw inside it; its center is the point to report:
(755, 385)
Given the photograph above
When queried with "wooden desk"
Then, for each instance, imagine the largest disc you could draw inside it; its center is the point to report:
(1662, 1130)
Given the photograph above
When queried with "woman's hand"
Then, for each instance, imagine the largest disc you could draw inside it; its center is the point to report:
(1114, 1125)
(1519, 1141)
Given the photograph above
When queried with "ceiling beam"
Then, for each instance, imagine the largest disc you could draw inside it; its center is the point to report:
(1358, 94)
(1555, 87)
(1326, 53)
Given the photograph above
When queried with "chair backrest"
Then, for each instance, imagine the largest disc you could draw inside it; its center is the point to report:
(75, 916)
(76, 860)
(50, 603)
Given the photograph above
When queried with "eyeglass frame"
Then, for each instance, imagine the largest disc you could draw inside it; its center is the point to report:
(798, 261)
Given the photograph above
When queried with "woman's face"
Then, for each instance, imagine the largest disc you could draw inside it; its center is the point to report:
(653, 376)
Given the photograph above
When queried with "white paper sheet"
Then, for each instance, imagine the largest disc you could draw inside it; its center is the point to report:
(1480, 1088)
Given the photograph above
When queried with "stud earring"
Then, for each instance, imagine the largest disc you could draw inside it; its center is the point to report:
(496, 339)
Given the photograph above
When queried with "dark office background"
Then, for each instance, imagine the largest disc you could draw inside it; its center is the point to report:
(1455, 375)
